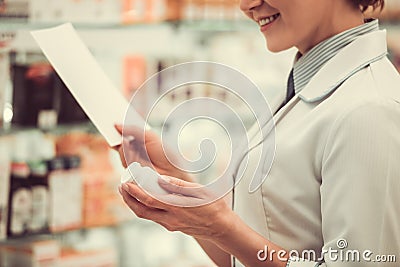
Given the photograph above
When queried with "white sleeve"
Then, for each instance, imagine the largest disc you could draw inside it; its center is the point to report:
(298, 262)
(360, 190)
(361, 184)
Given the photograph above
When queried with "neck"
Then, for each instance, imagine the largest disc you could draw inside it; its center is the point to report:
(343, 18)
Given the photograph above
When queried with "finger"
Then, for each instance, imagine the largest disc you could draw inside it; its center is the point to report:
(183, 201)
(161, 202)
(135, 151)
(141, 210)
(179, 182)
(138, 133)
(128, 130)
(122, 156)
(116, 148)
(181, 187)
(143, 197)
(119, 128)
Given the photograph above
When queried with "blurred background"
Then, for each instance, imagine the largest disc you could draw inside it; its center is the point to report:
(59, 204)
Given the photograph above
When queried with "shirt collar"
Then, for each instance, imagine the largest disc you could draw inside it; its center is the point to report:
(307, 65)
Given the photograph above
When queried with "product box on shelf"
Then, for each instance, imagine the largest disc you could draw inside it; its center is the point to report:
(214, 10)
(94, 258)
(38, 253)
(135, 73)
(14, 10)
(101, 204)
(83, 11)
(50, 253)
(73, 190)
(65, 185)
(140, 11)
(40, 98)
(174, 10)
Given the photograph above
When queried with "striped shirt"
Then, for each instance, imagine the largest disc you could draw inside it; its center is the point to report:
(311, 62)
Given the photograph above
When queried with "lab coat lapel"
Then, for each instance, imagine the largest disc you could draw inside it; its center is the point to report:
(285, 109)
(357, 55)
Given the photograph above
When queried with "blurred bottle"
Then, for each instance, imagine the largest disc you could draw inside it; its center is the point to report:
(40, 198)
(56, 175)
(40, 98)
(175, 10)
(44, 149)
(73, 192)
(5, 87)
(4, 185)
(20, 196)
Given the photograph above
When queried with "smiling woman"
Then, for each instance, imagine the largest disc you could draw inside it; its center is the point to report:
(335, 177)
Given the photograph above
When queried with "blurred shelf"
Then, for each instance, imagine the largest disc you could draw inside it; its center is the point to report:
(57, 130)
(21, 25)
(202, 26)
(219, 25)
(205, 26)
(83, 229)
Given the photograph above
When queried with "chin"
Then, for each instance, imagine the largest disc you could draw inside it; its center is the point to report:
(277, 48)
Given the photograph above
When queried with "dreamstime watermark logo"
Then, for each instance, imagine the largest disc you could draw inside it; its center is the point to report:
(203, 112)
(339, 254)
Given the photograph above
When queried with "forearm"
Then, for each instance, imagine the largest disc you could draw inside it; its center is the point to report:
(245, 244)
(216, 254)
(220, 257)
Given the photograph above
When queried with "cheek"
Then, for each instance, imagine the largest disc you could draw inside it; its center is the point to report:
(292, 30)
(282, 35)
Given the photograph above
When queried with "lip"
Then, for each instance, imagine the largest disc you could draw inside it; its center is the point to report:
(265, 27)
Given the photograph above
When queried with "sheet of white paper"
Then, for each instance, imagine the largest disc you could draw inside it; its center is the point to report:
(93, 90)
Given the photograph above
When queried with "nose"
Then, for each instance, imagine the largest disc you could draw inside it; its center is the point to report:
(248, 5)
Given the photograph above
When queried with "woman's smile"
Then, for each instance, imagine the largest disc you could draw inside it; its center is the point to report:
(266, 22)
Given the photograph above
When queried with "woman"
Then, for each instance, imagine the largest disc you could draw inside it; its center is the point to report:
(335, 180)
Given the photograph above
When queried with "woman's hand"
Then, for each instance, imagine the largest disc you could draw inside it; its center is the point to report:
(213, 223)
(183, 210)
(147, 149)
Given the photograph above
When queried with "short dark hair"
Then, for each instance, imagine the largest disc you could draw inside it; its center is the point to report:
(365, 4)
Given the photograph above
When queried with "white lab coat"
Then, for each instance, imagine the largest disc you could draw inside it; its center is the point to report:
(336, 172)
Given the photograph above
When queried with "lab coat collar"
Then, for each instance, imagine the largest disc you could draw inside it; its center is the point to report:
(357, 55)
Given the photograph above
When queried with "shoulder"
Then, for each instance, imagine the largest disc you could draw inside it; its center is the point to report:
(379, 79)
(373, 89)
(370, 124)
(366, 106)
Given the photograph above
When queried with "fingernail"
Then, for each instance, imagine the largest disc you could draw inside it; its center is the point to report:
(164, 179)
(130, 138)
(125, 187)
